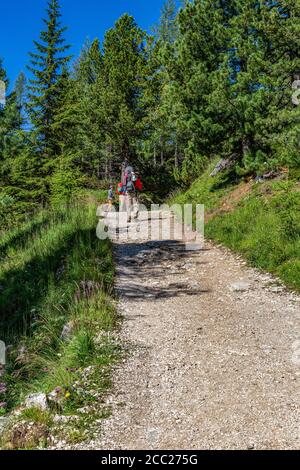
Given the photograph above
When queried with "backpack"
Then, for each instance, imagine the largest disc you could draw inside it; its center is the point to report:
(120, 189)
(129, 179)
(138, 185)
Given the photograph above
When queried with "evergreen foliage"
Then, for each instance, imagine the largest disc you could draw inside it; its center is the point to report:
(46, 93)
(215, 80)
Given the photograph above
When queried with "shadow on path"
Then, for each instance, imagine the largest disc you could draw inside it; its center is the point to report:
(137, 262)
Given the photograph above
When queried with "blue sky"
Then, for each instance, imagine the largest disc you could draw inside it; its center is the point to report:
(20, 24)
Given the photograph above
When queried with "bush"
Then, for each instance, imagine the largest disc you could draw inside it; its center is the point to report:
(65, 184)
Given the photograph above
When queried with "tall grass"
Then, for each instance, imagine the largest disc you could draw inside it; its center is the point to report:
(54, 271)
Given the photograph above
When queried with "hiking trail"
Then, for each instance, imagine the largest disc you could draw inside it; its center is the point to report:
(212, 359)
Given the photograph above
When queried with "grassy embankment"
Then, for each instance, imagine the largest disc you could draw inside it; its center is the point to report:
(55, 272)
(259, 220)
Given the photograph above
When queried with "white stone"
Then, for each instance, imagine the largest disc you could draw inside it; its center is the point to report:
(240, 286)
(3, 423)
(37, 400)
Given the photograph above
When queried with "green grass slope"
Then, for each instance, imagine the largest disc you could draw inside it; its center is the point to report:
(259, 220)
(54, 271)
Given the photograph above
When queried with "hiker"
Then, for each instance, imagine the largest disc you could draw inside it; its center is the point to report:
(127, 189)
(110, 197)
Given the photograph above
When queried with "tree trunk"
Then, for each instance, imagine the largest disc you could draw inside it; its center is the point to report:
(110, 169)
(162, 157)
(176, 156)
(154, 155)
(247, 144)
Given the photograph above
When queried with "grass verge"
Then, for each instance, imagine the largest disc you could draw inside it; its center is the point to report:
(259, 220)
(57, 315)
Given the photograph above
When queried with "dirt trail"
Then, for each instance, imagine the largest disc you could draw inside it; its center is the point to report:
(211, 364)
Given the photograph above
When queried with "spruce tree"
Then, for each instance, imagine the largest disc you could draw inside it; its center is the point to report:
(10, 128)
(48, 66)
(278, 120)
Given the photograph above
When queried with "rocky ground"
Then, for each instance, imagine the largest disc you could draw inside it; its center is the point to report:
(213, 356)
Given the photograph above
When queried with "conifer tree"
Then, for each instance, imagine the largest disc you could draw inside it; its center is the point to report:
(10, 127)
(48, 66)
(12, 139)
(166, 30)
(79, 122)
(255, 85)
(124, 60)
(201, 44)
(160, 139)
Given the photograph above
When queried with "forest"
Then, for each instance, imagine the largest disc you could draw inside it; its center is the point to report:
(214, 80)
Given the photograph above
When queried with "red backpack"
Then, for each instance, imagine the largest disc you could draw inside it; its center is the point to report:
(139, 185)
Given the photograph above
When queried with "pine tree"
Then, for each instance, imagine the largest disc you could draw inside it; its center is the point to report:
(255, 81)
(10, 127)
(160, 138)
(199, 50)
(48, 65)
(89, 64)
(12, 145)
(277, 122)
(79, 123)
(124, 61)
(167, 29)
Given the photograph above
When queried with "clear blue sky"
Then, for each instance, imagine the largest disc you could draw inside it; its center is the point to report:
(20, 24)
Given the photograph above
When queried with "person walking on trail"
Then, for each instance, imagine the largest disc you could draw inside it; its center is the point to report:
(127, 189)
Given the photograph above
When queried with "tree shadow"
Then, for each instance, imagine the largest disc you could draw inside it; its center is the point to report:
(21, 236)
(152, 254)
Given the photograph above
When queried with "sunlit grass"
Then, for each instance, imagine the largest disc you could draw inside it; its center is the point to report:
(264, 225)
(47, 264)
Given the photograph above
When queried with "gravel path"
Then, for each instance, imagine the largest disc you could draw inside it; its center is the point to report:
(213, 353)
